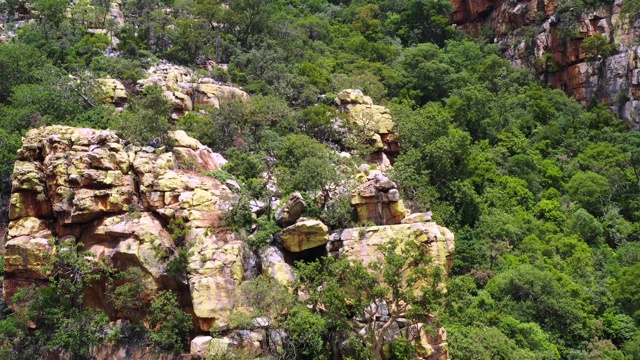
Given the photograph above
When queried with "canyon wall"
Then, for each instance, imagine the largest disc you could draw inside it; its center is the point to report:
(547, 36)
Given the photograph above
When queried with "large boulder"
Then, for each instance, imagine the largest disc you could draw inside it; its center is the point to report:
(373, 121)
(207, 92)
(275, 266)
(291, 210)
(27, 257)
(190, 154)
(112, 91)
(305, 234)
(363, 243)
(215, 267)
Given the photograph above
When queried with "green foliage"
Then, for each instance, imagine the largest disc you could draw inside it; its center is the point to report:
(541, 193)
(129, 297)
(177, 266)
(597, 46)
(343, 290)
(19, 64)
(263, 237)
(220, 175)
(169, 324)
(145, 119)
(179, 230)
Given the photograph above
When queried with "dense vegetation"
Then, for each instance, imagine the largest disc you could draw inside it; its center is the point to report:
(543, 194)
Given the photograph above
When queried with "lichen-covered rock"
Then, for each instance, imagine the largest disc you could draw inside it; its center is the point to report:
(118, 200)
(377, 200)
(206, 92)
(305, 234)
(30, 203)
(131, 241)
(291, 210)
(374, 121)
(363, 243)
(417, 218)
(215, 265)
(200, 346)
(26, 257)
(352, 96)
(184, 88)
(190, 154)
(275, 266)
(111, 91)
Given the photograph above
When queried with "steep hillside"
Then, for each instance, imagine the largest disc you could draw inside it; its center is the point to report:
(587, 49)
(256, 176)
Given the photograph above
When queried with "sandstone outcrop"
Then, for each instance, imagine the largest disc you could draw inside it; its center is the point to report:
(547, 37)
(377, 200)
(117, 199)
(291, 210)
(374, 121)
(112, 91)
(304, 234)
(185, 89)
(363, 243)
(124, 203)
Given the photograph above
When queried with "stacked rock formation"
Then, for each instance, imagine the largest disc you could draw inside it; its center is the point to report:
(87, 185)
(377, 200)
(119, 200)
(185, 89)
(375, 121)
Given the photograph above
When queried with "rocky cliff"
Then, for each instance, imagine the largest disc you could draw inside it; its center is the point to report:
(122, 203)
(548, 36)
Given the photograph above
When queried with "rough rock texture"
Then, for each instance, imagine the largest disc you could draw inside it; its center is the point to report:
(375, 121)
(275, 266)
(88, 185)
(73, 184)
(362, 243)
(185, 89)
(546, 37)
(291, 210)
(111, 91)
(377, 200)
(304, 234)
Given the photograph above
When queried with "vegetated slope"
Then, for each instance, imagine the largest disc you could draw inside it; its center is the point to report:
(587, 48)
(541, 192)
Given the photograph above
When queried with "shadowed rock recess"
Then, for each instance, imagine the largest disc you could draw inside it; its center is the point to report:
(119, 200)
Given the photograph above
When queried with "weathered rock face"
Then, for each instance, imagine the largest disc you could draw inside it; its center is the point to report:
(122, 202)
(363, 243)
(291, 210)
(304, 234)
(185, 89)
(377, 200)
(375, 121)
(112, 91)
(553, 47)
(117, 199)
(438, 242)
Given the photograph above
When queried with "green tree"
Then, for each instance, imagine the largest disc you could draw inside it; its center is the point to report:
(146, 119)
(169, 324)
(589, 190)
(348, 293)
(18, 65)
(597, 45)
